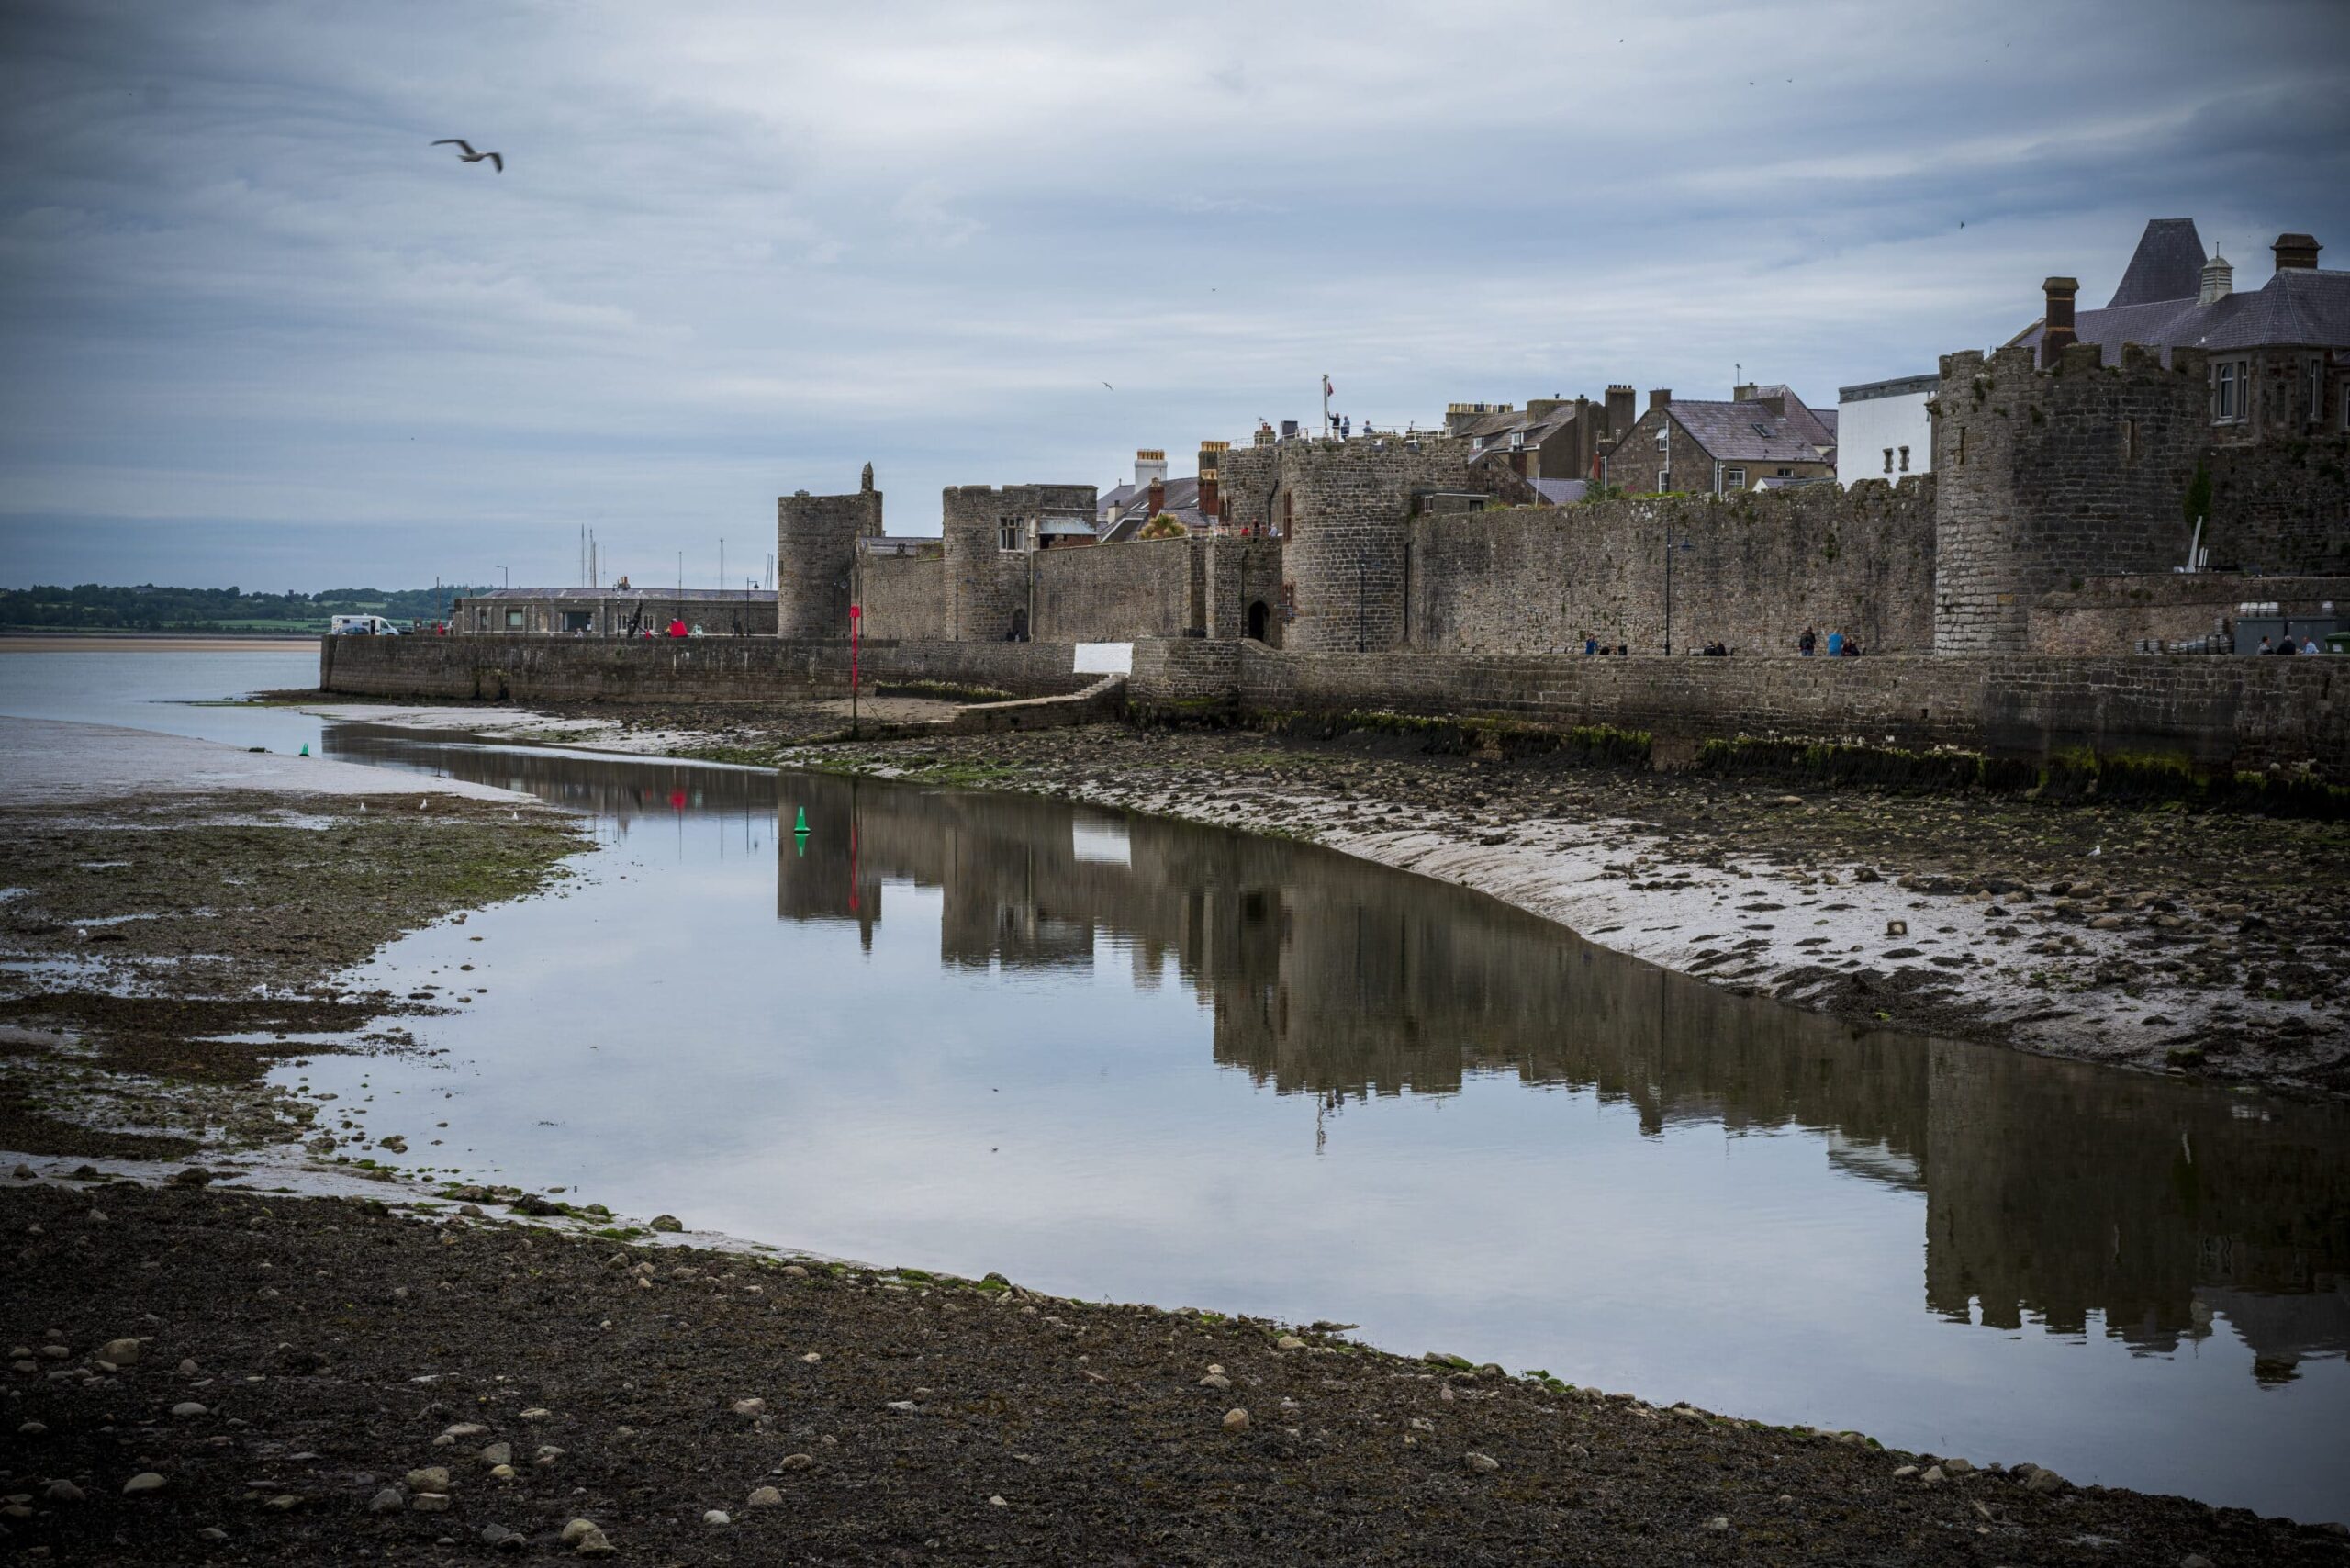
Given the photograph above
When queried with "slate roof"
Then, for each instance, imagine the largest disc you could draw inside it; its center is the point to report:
(2167, 264)
(1818, 428)
(1746, 432)
(1561, 492)
(2300, 307)
(1180, 495)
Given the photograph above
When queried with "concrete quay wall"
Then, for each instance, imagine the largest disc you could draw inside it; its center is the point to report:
(2213, 714)
(707, 670)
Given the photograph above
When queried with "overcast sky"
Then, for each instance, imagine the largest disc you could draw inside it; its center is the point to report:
(257, 331)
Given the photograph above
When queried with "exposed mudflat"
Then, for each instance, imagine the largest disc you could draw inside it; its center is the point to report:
(177, 913)
(319, 1380)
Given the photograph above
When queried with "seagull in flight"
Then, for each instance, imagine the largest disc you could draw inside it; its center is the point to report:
(465, 153)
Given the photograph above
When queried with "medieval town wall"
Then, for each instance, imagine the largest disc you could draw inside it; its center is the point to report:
(1114, 593)
(702, 669)
(1758, 570)
(2214, 713)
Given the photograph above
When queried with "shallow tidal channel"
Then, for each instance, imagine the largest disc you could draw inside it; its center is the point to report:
(1130, 1058)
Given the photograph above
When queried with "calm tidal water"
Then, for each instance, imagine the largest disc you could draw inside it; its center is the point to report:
(1114, 1057)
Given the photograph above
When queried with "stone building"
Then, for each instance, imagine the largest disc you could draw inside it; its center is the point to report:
(2278, 356)
(1698, 447)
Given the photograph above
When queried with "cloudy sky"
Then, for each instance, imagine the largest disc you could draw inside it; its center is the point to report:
(257, 331)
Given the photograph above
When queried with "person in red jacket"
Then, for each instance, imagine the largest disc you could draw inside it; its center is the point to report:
(678, 627)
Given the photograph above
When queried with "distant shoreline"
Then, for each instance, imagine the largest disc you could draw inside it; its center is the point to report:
(148, 642)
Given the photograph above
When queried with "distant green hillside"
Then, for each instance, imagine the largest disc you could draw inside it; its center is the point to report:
(94, 607)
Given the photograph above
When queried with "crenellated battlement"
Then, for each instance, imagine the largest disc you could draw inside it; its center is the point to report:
(2054, 473)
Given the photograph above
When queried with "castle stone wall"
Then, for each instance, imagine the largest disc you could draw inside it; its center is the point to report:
(1759, 567)
(2282, 507)
(901, 596)
(1114, 593)
(2049, 475)
(1345, 510)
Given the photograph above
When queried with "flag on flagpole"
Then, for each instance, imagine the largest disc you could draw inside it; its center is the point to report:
(1327, 387)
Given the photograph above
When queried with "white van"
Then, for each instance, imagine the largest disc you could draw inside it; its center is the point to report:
(361, 626)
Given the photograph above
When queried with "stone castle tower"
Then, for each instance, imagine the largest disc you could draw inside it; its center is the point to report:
(990, 536)
(2050, 474)
(815, 553)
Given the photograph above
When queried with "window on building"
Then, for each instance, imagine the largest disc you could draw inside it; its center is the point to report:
(1766, 432)
(1888, 460)
(1905, 460)
(1733, 478)
(2228, 390)
(2129, 441)
(2313, 383)
(1007, 533)
(1962, 444)
(513, 620)
(1786, 473)
(1663, 480)
(1664, 435)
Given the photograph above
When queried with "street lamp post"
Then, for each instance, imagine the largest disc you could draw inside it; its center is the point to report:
(1670, 549)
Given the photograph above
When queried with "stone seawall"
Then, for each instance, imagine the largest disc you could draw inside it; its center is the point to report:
(2214, 713)
(707, 670)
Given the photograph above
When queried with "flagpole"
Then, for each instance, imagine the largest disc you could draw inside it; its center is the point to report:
(1326, 402)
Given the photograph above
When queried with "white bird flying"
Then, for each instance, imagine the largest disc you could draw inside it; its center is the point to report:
(465, 153)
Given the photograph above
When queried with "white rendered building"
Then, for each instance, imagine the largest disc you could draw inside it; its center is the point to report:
(1883, 431)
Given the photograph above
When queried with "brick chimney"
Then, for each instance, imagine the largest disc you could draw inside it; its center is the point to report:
(1211, 459)
(1619, 409)
(2296, 252)
(2056, 332)
(1660, 398)
(1157, 495)
(2219, 280)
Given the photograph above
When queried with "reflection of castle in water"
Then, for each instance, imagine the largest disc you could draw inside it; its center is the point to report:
(2051, 1188)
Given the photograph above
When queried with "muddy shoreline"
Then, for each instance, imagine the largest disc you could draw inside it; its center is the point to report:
(316, 1378)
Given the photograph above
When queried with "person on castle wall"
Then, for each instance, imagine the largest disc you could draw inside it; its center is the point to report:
(2265, 647)
(677, 626)
(1807, 642)
(1835, 644)
(1590, 645)
(2288, 646)
(2309, 645)
(1852, 648)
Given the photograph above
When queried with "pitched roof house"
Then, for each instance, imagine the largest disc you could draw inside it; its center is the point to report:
(1715, 448)
(2279, 354)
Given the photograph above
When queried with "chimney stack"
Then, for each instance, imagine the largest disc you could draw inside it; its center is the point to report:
(2296, 252)
(1619, 409)
(1157, 495)
(2219, 280)
(1211, 459)
(1660, 398)
(2056, 332)
(1150, 463)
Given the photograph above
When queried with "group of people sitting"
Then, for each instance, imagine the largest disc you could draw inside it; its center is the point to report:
(2287, 646)
(1839, 647)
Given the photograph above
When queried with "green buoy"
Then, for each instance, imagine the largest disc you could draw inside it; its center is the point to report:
(306, 748)
(801, 825)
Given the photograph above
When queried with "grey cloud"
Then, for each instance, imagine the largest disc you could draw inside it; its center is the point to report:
(249, 317)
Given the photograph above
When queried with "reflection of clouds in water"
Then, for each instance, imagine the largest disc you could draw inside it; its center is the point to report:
(1175, 1064)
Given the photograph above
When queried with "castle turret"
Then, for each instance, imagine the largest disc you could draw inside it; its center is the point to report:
(2047, 476)
(990, 538)
(816, 557)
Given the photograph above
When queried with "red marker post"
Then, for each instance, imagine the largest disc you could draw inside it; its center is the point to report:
(855, 614)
